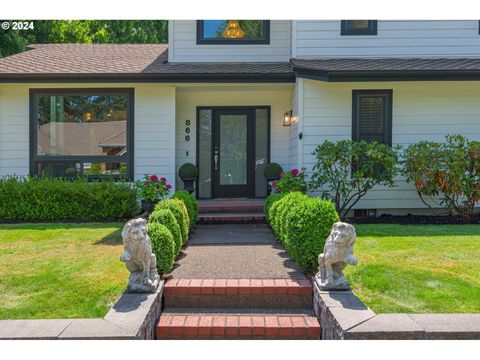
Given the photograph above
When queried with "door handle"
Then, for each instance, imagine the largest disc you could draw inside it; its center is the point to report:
(215, 158)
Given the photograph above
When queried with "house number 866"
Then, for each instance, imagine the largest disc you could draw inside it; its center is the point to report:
(187, 130)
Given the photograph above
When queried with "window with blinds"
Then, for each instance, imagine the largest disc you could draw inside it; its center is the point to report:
(372, 116)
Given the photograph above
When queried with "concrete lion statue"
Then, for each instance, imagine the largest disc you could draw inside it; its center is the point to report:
(337, 254)
(138, 257)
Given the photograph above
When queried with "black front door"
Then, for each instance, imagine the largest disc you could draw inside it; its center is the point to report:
(233, 155)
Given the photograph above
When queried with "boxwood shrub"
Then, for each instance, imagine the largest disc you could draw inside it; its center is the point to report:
(163, 246)
(190, 203)
(166, 217)
(177, 207)
(28, 198)
(271, 199)
(303, 224)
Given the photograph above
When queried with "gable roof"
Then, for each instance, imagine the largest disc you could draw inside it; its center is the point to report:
(128, 62)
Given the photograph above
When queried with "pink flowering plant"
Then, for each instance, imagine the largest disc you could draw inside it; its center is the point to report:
(291, 181)
(152, 188)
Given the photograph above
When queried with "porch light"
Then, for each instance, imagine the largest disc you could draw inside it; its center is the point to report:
(287, 118)
(233, 30)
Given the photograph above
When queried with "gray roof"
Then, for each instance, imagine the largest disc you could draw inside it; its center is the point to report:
(126, 60)
(133, 62)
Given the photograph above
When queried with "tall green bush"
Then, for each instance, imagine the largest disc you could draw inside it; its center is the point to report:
(346, 170)
(190, 203)
(25, 198)
(166, 217)
(177, 207)
(163, 246)
(283, 206)
(306, 226)
(271, 199)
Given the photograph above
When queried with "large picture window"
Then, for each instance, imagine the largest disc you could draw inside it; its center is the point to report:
(372, 116)
(81, 132)
(233, 32)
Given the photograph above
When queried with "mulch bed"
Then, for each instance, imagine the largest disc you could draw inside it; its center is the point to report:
(413, 220)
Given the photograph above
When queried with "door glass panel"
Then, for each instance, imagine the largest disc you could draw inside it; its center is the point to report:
(261, 151)
(205, 154)
(233, 150)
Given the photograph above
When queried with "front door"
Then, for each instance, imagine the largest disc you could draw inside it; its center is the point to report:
(233, 167)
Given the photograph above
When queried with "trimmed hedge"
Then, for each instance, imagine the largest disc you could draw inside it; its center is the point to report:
(190, 203)
(271, 199)
(177, 207)
(166, 217)
(303, 224)
(163, 246)
(25, 198)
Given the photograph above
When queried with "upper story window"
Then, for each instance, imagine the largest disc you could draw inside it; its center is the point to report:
(233, 32)
(359, 27)
(372, 116)
(81, 132)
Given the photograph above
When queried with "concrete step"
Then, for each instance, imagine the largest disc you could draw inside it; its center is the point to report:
(225, 207)
(248, 324)
(231, 218)
(238, 293)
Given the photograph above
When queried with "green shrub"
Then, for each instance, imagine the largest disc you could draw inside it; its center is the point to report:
(177, 207)
(190, 203)
(271, 199)
(449, 171)
(166, 217)
(306, 226)
(272, 170)
(163, 246)
(346, 170)
(188, 171)
(292, 181)
(284, 205)
(24, 198)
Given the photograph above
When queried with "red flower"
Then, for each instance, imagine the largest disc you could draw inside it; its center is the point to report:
(154, 178)
(294, 172)
(169, 186)
(282, 174)
(163, 179)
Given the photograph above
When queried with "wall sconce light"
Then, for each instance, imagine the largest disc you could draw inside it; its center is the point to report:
(287, 118)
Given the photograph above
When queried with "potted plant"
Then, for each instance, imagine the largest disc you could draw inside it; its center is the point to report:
(188, 173)
(151, 190)
(272, 172)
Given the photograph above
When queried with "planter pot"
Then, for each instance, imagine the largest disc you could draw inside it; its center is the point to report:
(188, 184)
(148, 205)
(269, 183)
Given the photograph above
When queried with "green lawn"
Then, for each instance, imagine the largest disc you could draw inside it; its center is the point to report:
(417, 268)
(60, 270)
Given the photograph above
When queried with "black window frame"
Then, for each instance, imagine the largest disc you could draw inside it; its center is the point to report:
(208, 41)
(371, 30)
(387, 121)
(127, 158)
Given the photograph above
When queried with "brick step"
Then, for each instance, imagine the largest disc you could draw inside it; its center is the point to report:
(230, 208)
(238, 293)
(178, 324)
(231, 218)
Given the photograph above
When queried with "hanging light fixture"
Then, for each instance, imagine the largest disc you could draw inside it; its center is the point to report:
(88, 116)
(287, 118)
(233, 30)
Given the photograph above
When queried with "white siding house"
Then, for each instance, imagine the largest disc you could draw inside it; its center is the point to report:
(432, 69)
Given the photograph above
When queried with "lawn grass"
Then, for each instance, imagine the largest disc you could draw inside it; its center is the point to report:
(417, 268)
(60, 270)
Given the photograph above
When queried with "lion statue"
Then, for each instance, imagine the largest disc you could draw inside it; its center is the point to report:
(138, 257)
(337, 254)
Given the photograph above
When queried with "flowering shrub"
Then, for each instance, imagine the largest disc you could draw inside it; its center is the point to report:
(151, 188)
(449, 171)
(291, 181)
